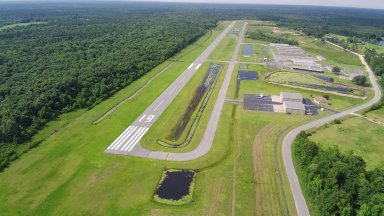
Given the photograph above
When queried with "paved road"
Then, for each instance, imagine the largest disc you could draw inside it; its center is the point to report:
(301, 206)
(128, 143)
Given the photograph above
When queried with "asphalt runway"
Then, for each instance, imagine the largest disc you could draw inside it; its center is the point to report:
(127, 142)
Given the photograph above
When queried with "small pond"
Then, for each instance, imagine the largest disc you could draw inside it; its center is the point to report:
(175, 185)
(248, 50)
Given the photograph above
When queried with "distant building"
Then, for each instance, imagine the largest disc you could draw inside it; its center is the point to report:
(321, 58)
(309, 69)
(321, 100)
(278, 45)
(294, 107)
(381, 43)
(291, 97)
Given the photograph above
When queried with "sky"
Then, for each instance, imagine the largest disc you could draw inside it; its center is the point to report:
(376, 4)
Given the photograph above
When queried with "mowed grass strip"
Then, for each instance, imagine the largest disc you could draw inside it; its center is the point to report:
(361, 136)
(169, 119)
(224, 50)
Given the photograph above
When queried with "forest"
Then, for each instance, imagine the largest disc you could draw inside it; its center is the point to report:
(76, 55)
(338, 183)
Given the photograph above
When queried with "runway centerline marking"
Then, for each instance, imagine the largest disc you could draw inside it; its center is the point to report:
(158, 105)
(172, 90)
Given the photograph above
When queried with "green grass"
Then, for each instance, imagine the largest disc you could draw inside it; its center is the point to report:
(162, 128)
(333, 54)
(283, 77)
(258, 57)
(361, 48)
(314, 47)
(377, 115)
(356, 134)
(299, 79)
(259, 86)
(68, 173)
(20, 25)
(224, 50)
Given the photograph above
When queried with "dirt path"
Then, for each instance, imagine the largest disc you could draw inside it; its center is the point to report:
(109, 112)
(368, 119)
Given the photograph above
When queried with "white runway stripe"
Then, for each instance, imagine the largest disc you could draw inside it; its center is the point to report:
(133, 138)
(137, 141)
(198, 66)
(119, 137)
(172, 90)
(158, 105)
(126, 136)
(190, 66)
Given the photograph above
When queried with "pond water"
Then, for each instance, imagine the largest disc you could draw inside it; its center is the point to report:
(247, 75)
(248, 50)
(325, 78)
(175, 185)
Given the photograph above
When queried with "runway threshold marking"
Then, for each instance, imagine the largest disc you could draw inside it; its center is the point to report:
(123, 138)
(132, 138)
(190, 66)
(198, 66)
(137, 140)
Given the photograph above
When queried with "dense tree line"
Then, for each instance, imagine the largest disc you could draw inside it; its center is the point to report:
(338, 183)
(259, 35)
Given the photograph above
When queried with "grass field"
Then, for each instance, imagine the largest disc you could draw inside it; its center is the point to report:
(169, 119)
(258, 57)
(259, 86)
(242, 174)
(20, 25)
(356, 134)
(68, 173)
(224, 50)
(283, 77)
(376, 115)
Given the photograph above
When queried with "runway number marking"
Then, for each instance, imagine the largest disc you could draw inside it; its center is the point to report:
(148, 118)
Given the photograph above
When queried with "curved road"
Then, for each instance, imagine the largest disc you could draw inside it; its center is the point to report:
(301, 206)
